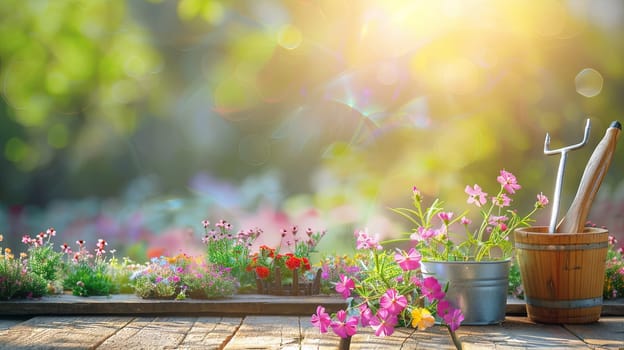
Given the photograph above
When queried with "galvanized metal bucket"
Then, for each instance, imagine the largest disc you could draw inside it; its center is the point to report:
(479, 289)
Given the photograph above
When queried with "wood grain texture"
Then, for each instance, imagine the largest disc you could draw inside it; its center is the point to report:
(607, 333)
(50, 332)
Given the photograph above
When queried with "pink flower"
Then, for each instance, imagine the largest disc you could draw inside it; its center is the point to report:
(453, 318)
(345, 286)
(508, 181)
(423, 234)
(465, 221)
(366, 315)
(51, 232)
(392, 301)
(408, 260)
(321, 319)
(342, 327)
(384, 323)
(542, 200)
(365, 241)
(476, 195)
(498, 221)
(26, 239)
(205, 223)
(416, 194)
(501, 201)
(445, 217)
(431, 289)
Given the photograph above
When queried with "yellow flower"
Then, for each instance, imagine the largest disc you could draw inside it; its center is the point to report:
(1, 237)
(23, 255)
(7, 251)
(422, 319)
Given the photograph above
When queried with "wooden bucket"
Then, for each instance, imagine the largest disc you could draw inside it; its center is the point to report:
(562, 273)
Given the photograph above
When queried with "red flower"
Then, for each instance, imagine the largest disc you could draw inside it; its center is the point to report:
(293, 262)
(262, 272)
(306, 264)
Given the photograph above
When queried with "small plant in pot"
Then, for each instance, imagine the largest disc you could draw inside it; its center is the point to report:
(482, 253)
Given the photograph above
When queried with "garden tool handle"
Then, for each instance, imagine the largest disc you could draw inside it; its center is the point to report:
(595, 171)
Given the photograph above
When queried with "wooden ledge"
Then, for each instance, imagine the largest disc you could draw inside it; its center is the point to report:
(238, 305)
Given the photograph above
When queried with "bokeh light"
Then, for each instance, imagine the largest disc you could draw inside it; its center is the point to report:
(588, 82)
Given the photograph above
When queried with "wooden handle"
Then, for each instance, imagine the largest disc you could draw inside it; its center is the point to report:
(595, 171)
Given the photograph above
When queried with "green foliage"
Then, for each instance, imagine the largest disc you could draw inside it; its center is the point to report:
(120, 274)
(89, 275)
(89, 279)
(44, 261)
(223, 248)
(16, 281)
(515, 281)
(614, 272)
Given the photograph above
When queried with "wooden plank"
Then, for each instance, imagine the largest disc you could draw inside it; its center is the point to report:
(61, 332)
(7, 323)
(436, 337)
(518, 333)
(267, 332)
(606, 333)
(211, 332)
(125, 304)
(150, 333)
(313, 339)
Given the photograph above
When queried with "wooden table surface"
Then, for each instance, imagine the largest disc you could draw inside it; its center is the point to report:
(287, 332)
(123, 322)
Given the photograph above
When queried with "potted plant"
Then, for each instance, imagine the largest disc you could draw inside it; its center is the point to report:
(476, 264)
(387, 291)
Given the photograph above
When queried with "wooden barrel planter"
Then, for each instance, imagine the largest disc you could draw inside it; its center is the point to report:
(562, 273)
(299, 286)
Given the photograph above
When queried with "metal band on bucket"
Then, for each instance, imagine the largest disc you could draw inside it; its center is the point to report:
(565, 304)
(586, 246)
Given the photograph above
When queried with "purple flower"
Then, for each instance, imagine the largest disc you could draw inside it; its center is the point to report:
(344, 327)
(408, 260)
(321, 319)
(392, 301)
(508, 181)
(345, 286)
(476, 195)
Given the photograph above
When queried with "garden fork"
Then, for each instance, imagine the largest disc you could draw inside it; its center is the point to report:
(562, 162)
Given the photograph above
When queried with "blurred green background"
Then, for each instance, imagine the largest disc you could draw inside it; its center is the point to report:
(134, 120)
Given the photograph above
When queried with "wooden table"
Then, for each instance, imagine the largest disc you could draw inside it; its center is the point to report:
(203, 330)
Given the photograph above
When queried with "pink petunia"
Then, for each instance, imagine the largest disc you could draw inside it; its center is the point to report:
(476, 195)
(408, 260)
(321, 319)
(366, 315)
(431, 289)
(508, 181)
(344, 327)
(453, 318)
(384, 323)
(392, 301)
(345, 286)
